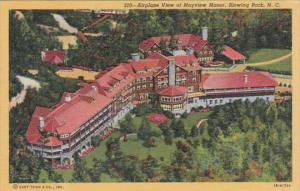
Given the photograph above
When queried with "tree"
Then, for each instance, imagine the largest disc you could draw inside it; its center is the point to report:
(95, 172)
(194, 131)
(150, 168)
(126, 125)
(95, 141)
(81, 173)
(173, 43)
(178, 127)
(154, 98)
(271, 114)
(144, 131)
(113, 149)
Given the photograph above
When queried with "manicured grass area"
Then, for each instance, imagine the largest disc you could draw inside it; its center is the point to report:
(133, 146)
(281, 66)
(44, 176)
(194, 118)
(264, 54)
(66, 174)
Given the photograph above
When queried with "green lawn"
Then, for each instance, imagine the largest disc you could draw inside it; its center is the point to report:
(283, 65)
(133, 146)
(264, 54)
(193, 119)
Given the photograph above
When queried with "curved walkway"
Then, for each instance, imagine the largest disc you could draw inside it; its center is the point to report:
(27, 83)
(242, 67)
(201, 122)
(128, 135)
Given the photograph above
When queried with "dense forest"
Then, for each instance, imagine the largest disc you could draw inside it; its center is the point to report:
(241, 142)
(244, 30)
(254, 29)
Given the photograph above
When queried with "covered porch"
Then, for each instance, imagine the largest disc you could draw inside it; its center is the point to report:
(233, 55)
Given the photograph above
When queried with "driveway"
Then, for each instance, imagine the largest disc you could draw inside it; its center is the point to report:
(27, 83)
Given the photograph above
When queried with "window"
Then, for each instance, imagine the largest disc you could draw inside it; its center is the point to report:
(210, 101)
(144, 79)
(138, 87)
(151, 85)
(216, 101)
(194, 79)
(159, 86)
(144, 86)
(221, 101)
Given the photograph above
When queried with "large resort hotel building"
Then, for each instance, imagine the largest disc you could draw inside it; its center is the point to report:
(58, 132)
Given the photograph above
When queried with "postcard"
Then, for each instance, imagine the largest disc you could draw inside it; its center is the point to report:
(150, 95)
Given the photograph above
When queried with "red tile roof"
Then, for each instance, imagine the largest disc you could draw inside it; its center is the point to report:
(190, 40)
(187, 62)
(116, 79)
(53, 141)
(32, 133)
(146, 64)
(232, 54)
(53, 56)
(67, 117)
(71, 115)
(173, 91)
(237, 80)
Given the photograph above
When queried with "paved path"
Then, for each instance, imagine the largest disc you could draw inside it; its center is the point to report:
(242, 67)
(63, 24)
(201, 121)
(128, 135)
(27, 83)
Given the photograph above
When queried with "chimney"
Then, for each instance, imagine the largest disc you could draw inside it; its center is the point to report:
(171, 72)
(204, 33)
(94, 88)
(135, 57)
(245, 78)
(41, 123)
(68, 98)
(190, 51)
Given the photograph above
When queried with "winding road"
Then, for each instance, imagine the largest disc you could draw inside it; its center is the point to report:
(27, 83)
(242, 67)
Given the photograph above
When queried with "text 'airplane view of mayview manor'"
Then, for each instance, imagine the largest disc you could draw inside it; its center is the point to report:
(58, 132)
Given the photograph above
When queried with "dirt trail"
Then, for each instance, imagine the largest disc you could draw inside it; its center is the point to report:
(242, 67)
(63, 24)
(201, 121)
(27, 83)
